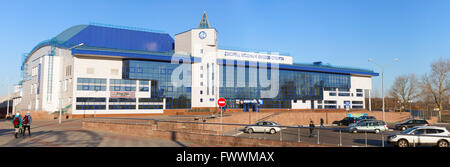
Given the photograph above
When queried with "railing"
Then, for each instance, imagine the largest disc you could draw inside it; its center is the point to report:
(334, 136)
(423, 114)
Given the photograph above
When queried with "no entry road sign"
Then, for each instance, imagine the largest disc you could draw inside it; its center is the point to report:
(222, 102)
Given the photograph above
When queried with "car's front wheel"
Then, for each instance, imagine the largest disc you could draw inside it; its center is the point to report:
(250, 130)
(402, 143)
(403, 128)
(442, 143)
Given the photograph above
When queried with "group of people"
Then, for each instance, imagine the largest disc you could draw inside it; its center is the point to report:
(312, 126)
(23, 123)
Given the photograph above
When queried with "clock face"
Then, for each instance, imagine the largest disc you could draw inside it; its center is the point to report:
(202, 35)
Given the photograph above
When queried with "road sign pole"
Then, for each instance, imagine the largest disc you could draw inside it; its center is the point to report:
(221, 102)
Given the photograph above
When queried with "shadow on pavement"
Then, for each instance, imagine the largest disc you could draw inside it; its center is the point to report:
(68, 138)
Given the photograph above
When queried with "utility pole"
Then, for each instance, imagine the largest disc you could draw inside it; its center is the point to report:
(382, 83)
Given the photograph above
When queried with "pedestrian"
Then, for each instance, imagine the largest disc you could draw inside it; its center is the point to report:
(26, 123)
(321, 123)
(17, 122)
(311, 129)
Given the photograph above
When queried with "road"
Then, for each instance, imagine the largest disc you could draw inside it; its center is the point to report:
(333, 135)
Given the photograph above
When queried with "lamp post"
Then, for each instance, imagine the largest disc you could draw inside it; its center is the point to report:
(382, 81)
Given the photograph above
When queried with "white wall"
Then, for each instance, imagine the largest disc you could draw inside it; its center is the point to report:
(102, 67)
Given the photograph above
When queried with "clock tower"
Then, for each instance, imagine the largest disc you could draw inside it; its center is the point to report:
(201, 42)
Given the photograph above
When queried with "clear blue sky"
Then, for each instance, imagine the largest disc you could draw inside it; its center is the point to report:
(339, 32)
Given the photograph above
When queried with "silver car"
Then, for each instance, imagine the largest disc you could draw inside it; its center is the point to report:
(421, 135)
(368, 126)
(263, 126)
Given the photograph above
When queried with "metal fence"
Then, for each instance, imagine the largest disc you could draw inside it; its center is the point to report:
(423, 114)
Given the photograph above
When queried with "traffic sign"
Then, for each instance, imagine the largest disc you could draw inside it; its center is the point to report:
(222, 102)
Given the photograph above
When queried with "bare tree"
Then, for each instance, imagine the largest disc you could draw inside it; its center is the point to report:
(437, 84)
(405, 89)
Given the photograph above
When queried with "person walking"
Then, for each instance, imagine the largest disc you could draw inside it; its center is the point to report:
(17, 122)
(26, 123)
(321, 123)
(311, 129)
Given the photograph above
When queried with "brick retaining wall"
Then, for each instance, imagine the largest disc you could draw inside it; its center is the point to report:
(149, 130)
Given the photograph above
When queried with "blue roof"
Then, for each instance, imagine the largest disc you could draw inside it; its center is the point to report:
(307, 67)
(95, 36)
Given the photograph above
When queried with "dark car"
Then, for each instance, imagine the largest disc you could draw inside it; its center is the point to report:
(411, 123)
(368, 117)
(348, 120)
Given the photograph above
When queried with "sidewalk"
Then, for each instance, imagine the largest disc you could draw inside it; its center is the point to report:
(70, 134)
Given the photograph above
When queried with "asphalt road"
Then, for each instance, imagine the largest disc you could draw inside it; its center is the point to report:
(334, 135)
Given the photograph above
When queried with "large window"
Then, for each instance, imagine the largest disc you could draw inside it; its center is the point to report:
(91, 84)
(122, 85)
(159, 74)
(143, 86)
(90, 103)
(301, 85)
(122, 103)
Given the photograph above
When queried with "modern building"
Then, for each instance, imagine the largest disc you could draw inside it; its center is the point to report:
(101, 69)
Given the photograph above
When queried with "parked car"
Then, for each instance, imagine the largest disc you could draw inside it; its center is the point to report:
(411, 123)
(368, 117)
(263, 126)
(421, 135)
(348, 120)
(363, 118)
(369, 126)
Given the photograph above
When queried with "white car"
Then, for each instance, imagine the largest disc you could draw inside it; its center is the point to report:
(263, 126)
(421, 135)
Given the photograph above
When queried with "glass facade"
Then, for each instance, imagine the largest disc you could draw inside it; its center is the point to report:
(302, 85)
(91, 84)
(91, 103)
(162, 86)
(122, 85)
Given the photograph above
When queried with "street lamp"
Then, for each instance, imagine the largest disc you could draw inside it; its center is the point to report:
(382, 81)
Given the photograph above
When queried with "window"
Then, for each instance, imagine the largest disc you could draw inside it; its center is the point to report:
(344, 94)
(431, 131)
(344, 89)
(155, 77)
(332, 94)
(123, 85)
(91, 84)
(201, 92)
(357, 102)
(359, 90)
(329, 89)
(329, 101)
(419, 132)
(201, 100)
(357, 107)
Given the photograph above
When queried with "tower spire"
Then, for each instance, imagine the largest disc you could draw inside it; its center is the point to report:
(204, 23)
